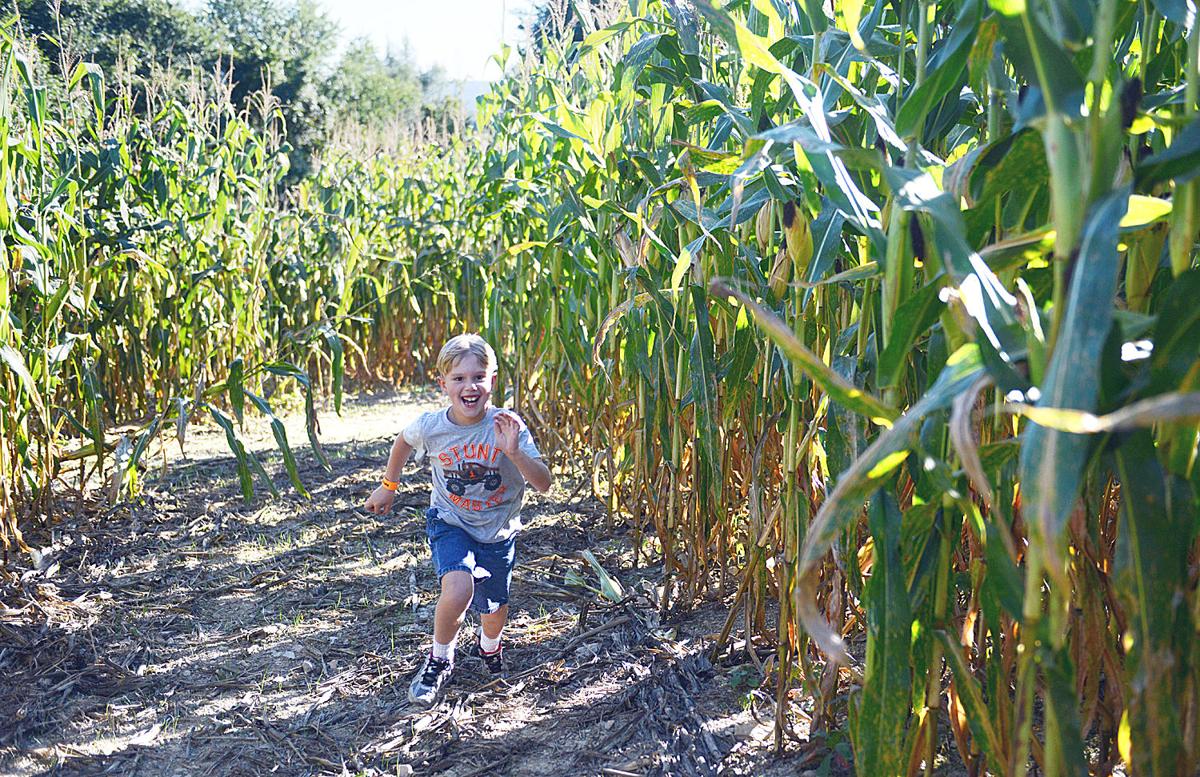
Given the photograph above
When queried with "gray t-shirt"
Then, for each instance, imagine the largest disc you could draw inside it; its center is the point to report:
(475, 486)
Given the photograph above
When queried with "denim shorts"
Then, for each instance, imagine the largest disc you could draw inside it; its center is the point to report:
(489, 563)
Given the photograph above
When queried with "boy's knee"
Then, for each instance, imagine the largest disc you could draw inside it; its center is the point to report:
(458, 587)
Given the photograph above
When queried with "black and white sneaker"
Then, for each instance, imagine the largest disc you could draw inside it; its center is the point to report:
(493, 661)
(428, 683)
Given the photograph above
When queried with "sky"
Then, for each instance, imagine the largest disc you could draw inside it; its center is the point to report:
(459, 35)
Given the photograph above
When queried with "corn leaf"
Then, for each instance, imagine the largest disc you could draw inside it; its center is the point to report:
(883, 704)
(1052, 461)
(1150, 577)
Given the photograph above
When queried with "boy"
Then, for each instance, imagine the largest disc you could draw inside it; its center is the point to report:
(481, 457)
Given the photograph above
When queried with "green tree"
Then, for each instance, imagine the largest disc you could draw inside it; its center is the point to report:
(141, 35)
(372, 90)
(283, 48)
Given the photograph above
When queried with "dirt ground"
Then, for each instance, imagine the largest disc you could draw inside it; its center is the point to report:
(191, 633)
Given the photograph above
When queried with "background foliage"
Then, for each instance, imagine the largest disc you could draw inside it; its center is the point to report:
(287, 48)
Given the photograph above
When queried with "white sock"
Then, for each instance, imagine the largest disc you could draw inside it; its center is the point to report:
(487, 644)
(445, 651)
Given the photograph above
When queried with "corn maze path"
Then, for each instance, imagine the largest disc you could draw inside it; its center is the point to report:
(191, 633)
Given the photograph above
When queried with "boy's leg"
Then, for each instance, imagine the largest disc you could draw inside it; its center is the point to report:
(491, 600)
(493, 622)
(492, 577)
(457, 590)
(449, 547)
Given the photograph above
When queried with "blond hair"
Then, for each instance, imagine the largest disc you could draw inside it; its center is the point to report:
(466, 345)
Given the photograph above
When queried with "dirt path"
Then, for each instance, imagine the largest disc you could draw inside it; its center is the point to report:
(193, 634)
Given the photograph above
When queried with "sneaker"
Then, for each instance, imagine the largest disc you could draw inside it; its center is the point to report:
(493, 661)
(429, 681)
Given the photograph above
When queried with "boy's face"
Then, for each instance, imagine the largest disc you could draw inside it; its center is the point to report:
(468, 385)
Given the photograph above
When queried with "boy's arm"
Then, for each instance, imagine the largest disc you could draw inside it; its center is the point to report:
(534, 470)
(401, 450)
(381, 498)
(508, 437)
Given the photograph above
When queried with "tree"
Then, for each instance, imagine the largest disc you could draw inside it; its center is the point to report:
(375, 91)
(139, 34)
(282, 48)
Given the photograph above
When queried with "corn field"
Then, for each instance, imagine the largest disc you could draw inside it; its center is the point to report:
(155, 273)
(877, 321)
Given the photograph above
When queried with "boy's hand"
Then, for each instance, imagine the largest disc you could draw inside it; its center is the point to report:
(380, 501)
(508, 433)
(508, 440)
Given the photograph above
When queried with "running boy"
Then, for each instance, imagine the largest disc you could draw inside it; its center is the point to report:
(481, 457)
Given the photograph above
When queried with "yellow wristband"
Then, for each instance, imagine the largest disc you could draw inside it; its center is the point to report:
(390, 485)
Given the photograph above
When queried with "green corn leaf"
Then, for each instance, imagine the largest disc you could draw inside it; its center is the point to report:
(558, 130)
(683, 262)
(74, 422)
(863, 272)
(704, 397)
(1150, 577)
(610, 587)
(1180, 162)
(280, 433)
(1064, 83)
(883, 704)
(54, 305)
(13, 359)
(1003, 578)
(983, 296)
(598, 38)
(338, 360)
(234, 385)
(913, 317)
(945, 70)
(1015, 163)
(874, 111)
(95, 77)
(1178, 11)
(1176, 333)
(240, 454)
(310, 410)
(144, 439)
(725, 99)
(827, 240)
(1052, 461)
(93, 395)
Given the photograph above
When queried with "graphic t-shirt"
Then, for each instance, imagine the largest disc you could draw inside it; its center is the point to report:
(475, 486)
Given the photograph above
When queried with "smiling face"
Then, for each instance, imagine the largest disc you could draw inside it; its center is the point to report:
(468, 386)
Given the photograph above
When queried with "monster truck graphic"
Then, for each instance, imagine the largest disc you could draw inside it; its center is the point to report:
(469, 474)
